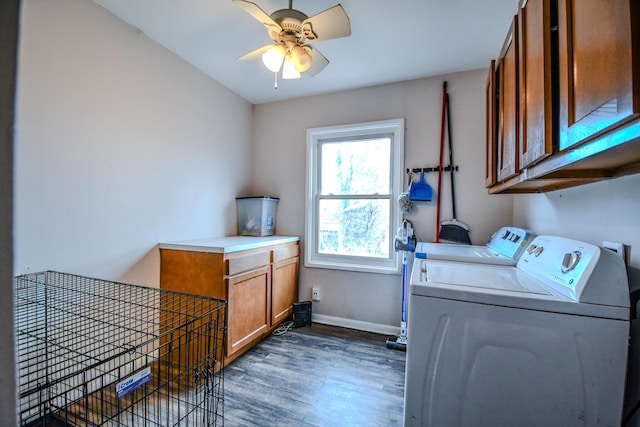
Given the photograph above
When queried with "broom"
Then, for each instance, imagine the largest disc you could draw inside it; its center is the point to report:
(439, 193)
(452, 230)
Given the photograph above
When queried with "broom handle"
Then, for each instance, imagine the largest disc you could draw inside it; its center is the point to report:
(453, 192)
(444, 98)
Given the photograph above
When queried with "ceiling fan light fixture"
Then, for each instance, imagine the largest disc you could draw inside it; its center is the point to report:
(289, 71)
(290, 30)
(273, 58)
(301, 58)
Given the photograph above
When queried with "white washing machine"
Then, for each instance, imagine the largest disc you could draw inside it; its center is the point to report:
(543, 343)
(503, 248)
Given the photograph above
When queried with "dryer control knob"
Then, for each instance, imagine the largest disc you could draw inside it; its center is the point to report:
(570, 261)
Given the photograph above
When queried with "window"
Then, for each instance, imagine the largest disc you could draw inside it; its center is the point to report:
(354, 178)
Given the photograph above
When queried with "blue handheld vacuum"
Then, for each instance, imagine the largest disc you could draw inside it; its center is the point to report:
(405, 242)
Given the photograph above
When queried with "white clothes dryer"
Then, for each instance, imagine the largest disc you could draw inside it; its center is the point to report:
(543, 343)
(503, 248)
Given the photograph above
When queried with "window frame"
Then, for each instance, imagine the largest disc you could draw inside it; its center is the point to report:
(315, 137)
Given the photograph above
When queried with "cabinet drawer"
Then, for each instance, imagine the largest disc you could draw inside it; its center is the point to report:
(247, 262)
(285, 252)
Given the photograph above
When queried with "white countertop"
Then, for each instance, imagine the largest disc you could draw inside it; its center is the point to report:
(228, 244)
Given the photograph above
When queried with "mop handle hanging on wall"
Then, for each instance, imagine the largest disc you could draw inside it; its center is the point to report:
(453, 187)
(444, 99)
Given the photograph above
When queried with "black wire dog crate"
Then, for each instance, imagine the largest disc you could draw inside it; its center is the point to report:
(93, 352)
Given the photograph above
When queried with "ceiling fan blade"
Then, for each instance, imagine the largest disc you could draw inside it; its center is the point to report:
(318, 61)
(256, 53)
(259, 14)
(332, 23)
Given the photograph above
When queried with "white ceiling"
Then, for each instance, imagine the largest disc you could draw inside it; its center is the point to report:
(392, 40)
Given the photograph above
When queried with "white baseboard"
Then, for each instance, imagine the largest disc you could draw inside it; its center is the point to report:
(355, 324)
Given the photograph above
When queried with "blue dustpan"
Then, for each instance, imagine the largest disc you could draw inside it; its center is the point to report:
(420, 191)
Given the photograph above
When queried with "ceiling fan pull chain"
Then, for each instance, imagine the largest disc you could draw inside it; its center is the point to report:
(275, 81)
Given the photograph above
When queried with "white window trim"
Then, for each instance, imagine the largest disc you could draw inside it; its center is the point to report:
(391, 265)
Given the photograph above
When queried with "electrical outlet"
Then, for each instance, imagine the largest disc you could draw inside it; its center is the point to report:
(617, 248)
(315, 294)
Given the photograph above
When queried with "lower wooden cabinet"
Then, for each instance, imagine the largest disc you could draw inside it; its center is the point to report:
(260, 286)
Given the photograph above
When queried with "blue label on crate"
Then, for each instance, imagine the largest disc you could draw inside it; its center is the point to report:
(269, 222)
(134, 381)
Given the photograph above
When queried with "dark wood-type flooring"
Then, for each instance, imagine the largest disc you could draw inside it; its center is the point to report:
(316, 376)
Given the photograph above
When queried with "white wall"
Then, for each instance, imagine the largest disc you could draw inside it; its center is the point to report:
(120, 145)
(360, 299)
(607, 210)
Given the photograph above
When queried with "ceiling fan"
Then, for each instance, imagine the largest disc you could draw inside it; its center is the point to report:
(291, 30)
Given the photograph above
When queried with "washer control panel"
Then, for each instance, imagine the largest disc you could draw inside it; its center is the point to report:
(510, 241)
(561, 263)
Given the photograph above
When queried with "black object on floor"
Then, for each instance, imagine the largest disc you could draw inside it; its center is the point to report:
(301, 314)
(396, 343)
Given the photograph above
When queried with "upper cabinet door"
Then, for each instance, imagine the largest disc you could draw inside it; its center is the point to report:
(490, 128)
(507, 86)
(536, 79)
(598, 78)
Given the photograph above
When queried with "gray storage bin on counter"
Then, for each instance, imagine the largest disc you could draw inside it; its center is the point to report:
(256, 215)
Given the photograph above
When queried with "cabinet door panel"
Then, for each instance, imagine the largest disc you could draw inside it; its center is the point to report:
(596, 71)
(536, 136)
(507, 74)
(490, 127)
(247, 308)
(284, 289)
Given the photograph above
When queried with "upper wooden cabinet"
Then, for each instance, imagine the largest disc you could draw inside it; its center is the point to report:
(578, 117)
(506, 84)
(599, 84)
(490, 127)
(536, 136)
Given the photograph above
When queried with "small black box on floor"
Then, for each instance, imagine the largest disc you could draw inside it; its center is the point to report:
(301, 314)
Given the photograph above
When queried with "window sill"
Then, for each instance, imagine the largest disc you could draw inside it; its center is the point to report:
(345, 266)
